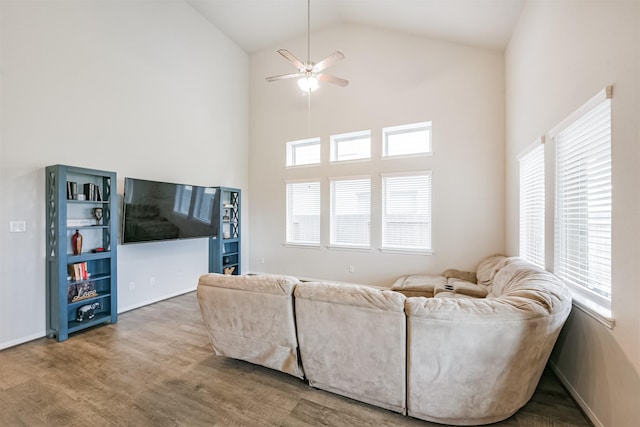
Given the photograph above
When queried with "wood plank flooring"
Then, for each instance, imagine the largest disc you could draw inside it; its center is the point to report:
(155, 367)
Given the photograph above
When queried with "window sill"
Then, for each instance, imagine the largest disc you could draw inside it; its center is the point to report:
(349, 248)
(302, 245)
(407, 156)
(406, 251)
(590, 308)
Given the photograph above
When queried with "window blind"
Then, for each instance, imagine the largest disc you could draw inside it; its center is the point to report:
(303, 213)
(583, 202)
(406, 211)
(350, 212)
(532, 206)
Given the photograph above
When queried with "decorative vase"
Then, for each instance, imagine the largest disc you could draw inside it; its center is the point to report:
(76, 243)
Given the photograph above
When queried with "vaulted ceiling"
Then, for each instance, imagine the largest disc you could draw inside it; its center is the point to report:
(258, 24)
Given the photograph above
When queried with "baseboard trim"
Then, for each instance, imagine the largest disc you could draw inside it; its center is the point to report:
(576, 396)
(21, 340)
(155, 300)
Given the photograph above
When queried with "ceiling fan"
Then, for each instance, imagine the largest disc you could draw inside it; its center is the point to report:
(309, 73)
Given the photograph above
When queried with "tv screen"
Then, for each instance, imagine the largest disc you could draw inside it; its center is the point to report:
(165, 211)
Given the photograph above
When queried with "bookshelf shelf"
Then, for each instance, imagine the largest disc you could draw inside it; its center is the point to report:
(93, 275)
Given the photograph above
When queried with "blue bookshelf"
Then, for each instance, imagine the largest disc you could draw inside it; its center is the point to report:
(225, 248)
(73, 195)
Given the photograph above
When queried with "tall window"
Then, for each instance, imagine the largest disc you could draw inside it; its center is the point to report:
(303, 213)
(351, 146)
(406, 211)
(532, 205)
(406, 140)
(583, 201)
(351, 212)
(304, 152)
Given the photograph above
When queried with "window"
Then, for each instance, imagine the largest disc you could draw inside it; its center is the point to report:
(582, 246)
(532, 208)
(351, 146)
(406, 211)
(406, 140)
(350, 212)
(304, 152)
(303, 213)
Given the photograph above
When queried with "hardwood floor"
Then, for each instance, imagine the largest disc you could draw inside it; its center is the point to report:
(155, 367)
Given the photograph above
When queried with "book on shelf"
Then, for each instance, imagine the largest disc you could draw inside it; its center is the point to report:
(72, 190)
(92, 192)
(78, 271)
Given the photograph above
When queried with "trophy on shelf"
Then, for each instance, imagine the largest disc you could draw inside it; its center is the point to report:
(97, 213)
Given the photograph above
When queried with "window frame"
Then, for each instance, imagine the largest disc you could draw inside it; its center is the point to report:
(535, 169)
(291, 146)
(404, 129)
(335, 140)
(348, 246)
(592, 304)
(384, 200)
(309, 244)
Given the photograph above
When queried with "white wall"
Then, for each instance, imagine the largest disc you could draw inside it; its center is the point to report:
(394, 79)
(562, 54)
(146, 89)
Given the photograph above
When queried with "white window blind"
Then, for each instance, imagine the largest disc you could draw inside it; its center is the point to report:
(304, 152)
(406, 211)
(583, 203)
(303, 213)
(532, 208)
(351, 146)
(350, 212)
(406, 140)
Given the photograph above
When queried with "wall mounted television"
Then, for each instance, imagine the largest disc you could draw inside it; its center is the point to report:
(156, 211)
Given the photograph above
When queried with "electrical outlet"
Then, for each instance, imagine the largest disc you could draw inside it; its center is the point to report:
(132, 286)
(17, 226)
(152, 281)
(352, 269)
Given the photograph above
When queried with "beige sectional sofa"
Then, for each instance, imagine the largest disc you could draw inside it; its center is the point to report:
(439, 348)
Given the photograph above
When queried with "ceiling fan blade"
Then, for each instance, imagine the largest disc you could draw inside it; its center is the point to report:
(282, 77)
(291, 58)
(333, 79)
(328, 61)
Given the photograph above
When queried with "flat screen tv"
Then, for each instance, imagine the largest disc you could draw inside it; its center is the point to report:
(165, 211)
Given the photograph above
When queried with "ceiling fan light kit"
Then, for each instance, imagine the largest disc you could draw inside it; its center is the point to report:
(308, 74)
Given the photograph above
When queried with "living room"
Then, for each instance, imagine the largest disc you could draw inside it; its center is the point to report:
(153, 90)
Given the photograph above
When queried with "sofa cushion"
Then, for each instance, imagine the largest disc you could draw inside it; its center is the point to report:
(251, 318)
(353, 341)
(468, 276)
(488, 268)
(418, 285)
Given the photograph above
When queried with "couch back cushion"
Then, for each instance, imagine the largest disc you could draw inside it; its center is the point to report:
(351, 294)
(263, 283)
(487, 269)
(520, 279)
